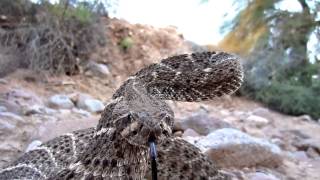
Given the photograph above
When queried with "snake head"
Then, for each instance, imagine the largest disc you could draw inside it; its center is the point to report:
(143, 126)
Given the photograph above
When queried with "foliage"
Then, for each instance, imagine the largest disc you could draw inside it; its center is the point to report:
(274, 42)
(291, 99)
(248, 27)
(81, 13)
(51, 37)
(126, 43)
(296, 93)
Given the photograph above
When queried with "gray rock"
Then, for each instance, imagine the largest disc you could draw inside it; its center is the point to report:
(90, 104)
(202, 123)
(260, 111)
(261, 176)
(299, 155)
(3, 81)
(64, 111)
(11, 116)
(34, 109)
(312, 153)
(16, 99)
(3, 109)
(81, 112)
(308, 143)
(50, 111)
(305, 118)
(257, 120)
(5, 125)
(97, 69)
(94, 105)
(178, 133)
(232, 148)
(190, 132)
(8, 122)
(60, 101)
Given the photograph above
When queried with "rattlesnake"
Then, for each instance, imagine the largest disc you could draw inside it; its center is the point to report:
(118, 147)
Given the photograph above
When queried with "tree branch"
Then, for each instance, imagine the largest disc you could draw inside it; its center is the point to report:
(305, 6)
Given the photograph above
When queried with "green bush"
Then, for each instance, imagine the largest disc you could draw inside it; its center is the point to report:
(291, 99)
(80, 13)
(294, 91)
(126, 43)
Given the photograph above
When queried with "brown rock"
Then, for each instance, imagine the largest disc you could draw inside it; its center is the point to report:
(202, 123)
(190, 132)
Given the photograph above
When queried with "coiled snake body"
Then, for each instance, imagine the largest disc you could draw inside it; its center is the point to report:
(118, 147)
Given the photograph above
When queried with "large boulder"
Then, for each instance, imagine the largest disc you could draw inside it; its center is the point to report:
(96, 69)
(202, 123)
(60, 101)
(90, 104)
(232, 148)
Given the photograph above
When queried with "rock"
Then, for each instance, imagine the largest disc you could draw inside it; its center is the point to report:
(192, 140)
(177, 126)
(257, 120)
(308, 143)
(60, 101)
(225, 112)
(11, 106)
(178, 133)
(94, 105)
(232, 148)
(298, 134)
(261, 176)
(5, 126)
(239, 114)
(3, 81)
(9, 122)
(299, 155)
(3, 109)
(11, 116)
(64, 111)
(86, 102)
(312, 153)
(190, 132)
(305, 118)
(230, 119)
(25, 95)
(34, 109)
(81, 112)
(96, 69)
(33, 145)
(50, 111)
(202, 123)
(16, 99)
(260, 111)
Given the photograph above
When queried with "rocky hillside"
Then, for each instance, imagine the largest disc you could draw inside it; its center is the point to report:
(246, 139)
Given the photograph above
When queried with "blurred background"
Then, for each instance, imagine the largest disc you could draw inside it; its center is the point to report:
(61, 60)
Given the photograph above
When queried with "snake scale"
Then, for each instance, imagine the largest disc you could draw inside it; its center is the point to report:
(118, 147)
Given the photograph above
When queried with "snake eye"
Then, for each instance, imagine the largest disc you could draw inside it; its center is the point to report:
(166, 118)
(129, 116)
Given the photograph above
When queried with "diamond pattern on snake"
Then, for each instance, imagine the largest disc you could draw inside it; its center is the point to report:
(118, 147)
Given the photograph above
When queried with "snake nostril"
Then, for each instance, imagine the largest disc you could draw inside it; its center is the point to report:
(161, 125)
(165, 132)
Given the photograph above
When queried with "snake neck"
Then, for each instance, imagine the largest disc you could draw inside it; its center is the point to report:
(110, 157)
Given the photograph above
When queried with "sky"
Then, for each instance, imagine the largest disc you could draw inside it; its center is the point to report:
(199, 22)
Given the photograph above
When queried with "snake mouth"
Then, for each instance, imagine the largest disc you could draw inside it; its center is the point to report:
(140, 134)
